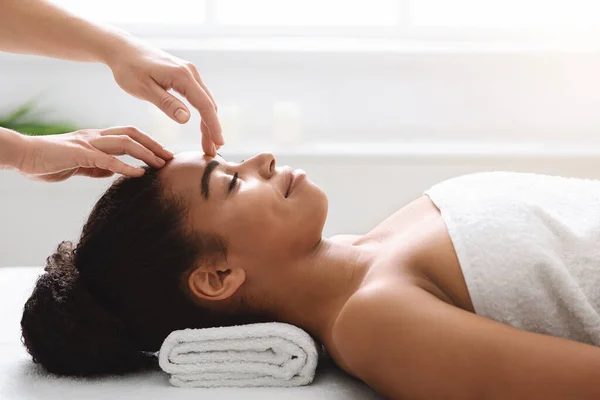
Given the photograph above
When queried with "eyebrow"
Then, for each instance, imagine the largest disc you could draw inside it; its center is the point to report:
(206, 176)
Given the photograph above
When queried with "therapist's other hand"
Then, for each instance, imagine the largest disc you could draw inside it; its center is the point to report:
(89, 152)
(149, 73)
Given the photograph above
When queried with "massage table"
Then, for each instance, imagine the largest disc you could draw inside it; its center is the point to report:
(21, 379)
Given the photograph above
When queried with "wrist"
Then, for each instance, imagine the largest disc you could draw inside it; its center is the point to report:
(112, 45)
(13, 147)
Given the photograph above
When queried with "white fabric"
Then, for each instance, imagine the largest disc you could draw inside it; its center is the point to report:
(266, 354)
(529, 249)
(21, 379)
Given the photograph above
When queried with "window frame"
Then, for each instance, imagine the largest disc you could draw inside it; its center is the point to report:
(401, 32)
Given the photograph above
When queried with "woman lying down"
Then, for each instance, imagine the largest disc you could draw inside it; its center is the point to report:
(486, 287)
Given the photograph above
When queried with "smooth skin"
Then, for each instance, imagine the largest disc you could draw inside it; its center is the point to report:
(40, 27)
(391, 306)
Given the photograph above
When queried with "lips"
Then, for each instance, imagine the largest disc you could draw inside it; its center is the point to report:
(292, 179)
(289, 179)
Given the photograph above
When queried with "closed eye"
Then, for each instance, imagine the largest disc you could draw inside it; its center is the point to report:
(233, 182)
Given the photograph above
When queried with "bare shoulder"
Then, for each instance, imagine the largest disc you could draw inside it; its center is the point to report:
(367, 329)
(407, 344)
(359, 327)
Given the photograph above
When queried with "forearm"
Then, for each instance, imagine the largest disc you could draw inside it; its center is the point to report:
(40, 27)
(12, 147)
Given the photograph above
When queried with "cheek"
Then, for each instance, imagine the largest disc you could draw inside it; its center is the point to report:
(255, 220)
(255, 238)
(263, 223)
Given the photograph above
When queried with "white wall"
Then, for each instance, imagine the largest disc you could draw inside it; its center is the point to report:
(345, 96)
(518, 99)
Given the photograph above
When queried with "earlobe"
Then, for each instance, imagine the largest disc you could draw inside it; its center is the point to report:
(215, 283)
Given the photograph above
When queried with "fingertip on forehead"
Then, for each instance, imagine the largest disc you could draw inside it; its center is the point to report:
(188, 159)
(195, 157)
(186, 165)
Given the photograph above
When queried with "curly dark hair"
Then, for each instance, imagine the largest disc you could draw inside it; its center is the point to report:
(106, 305)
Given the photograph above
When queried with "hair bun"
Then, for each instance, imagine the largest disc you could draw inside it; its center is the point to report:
(62, 261)
(68, 331)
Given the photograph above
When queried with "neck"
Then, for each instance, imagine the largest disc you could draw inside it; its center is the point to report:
(311, 293)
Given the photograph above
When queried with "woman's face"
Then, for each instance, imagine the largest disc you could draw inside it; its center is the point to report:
(265, 213)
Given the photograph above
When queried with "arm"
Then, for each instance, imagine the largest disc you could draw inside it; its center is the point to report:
(11, 145)
(40, 27)
(87, 152)
(407, 344)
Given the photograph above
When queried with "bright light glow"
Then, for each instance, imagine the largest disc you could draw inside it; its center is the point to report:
(308, 12)
(139, 11)
(509, 14)
(563, 16)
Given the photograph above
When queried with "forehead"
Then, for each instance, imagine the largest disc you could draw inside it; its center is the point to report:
(185, 169)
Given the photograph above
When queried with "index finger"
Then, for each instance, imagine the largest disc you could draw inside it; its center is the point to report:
(110, 163)
(207, 144)
(142, 138)
(201, 101)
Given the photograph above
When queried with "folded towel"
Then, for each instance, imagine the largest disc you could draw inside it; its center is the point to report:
(264, 354)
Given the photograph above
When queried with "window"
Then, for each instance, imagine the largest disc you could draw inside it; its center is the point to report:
(241, 12)
(307, 12)
(139, 11)
(506, 14)
(408, 19)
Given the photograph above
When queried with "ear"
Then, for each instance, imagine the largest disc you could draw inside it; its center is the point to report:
(213, 282)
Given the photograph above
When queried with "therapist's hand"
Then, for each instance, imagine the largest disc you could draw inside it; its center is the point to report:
(149, 73)
(88, 152)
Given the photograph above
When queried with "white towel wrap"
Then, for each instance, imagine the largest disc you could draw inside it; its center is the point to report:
(529, 249)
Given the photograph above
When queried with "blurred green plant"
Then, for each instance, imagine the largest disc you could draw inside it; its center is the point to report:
(27, 120)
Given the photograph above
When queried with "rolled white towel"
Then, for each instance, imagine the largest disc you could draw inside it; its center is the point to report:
(264, 354)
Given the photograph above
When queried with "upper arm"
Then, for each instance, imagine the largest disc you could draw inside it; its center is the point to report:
(407, 344)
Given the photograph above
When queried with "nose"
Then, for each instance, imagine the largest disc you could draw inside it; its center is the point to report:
(264, 163)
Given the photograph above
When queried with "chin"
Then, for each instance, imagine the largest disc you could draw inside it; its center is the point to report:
(310, 213)
(318, 210)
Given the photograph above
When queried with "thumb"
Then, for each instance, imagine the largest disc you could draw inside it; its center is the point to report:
(169, 104)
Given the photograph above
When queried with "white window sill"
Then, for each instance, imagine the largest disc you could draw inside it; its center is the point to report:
(410, 152)
(357, 45)
(370, 45)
